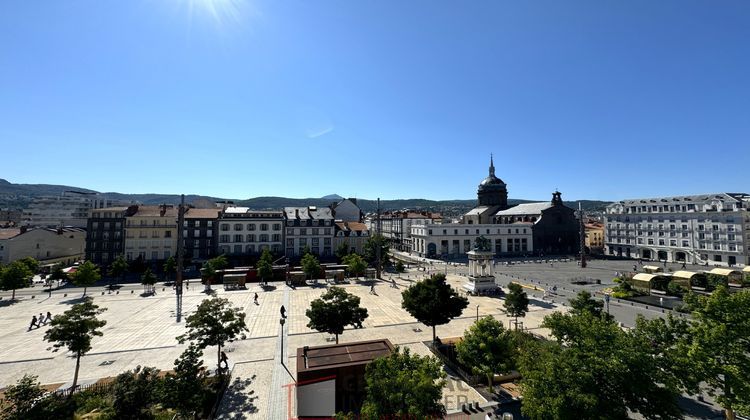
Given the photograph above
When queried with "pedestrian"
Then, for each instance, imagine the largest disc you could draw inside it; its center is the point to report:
(49, 316)
(225, 360)
(393, 283)
(683, 265)
(635, 267)
(255, 298)
(33, 322)
(283, 311)
(372, 289)
(41, 319)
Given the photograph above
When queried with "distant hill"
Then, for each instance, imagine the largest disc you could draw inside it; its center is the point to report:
(18, 196)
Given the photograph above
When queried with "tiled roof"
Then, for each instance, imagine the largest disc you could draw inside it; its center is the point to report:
(155, 211)
(526, 208)
(9, 233)
(202, 213)
(352, 226)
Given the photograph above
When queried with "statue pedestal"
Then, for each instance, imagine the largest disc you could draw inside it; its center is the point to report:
(481, 277)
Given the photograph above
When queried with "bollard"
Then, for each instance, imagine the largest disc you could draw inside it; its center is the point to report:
(102, 293)
(646, 306)
(131, 292)
(476, 405)
(32, 296)
(117, 293)
(162, 289)
(65, 295)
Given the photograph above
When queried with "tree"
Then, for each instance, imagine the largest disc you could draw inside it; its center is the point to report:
(170, 266)
(433, 302)
(214, 323)
(399, 267)
(15, 276)
(58, 274)
(584, 303)
(184, 389)
(148, 280)
(118, 268)
(265, 266)
(355, 264)
(342, 251)
(134, 391)
(404, 385)
(488, 348)
(74, 330)
(86, 275)
(311, 266)
(19, 399)
(516, 302)
(334, 310)
(211, 266)
(593, 370)
(371, 254)
(718, 343)
(31, 263)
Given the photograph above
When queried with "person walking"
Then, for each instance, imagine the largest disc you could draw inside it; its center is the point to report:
(255, 298)
(49, 316)
(372, 289)
(33, 323)
(41, 319)
(393, 283)
(225, 360)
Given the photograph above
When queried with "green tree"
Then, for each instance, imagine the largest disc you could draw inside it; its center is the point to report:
(15, 276)
(342, 251)
(148, 280)
(19, 399)
(716, 280)
(184, 390)
(210, 267)
(399, 267)
(134, 391)
(433, 302)
(214, 323)
(404, 385)
(31, 263)
(371, 254)
(87, 274)
(516, 302)
(118, 268)
(584, 303)
(718, 343)
(488, 348)
(58, 273)
(311, 266)
(355, 264)
(74, 330)
(170, 267)
(594, 371)
(265, 266)
(334, 310)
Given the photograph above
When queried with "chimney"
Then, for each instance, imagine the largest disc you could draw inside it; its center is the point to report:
(296, 213)
(163, 210)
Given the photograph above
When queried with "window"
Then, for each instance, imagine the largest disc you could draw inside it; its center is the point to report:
(264, 238)
(264, 226)
(276, 237)
(290, 243)
(167, 233)
(303, 231)
(315, 231)
(327, 241)
(327, 231)
(315, 241)
(661, 242)
(224, 227)
(196, 243)
(154, 254)
(210, 223)
(685, 244)
(167, 254)
(238, 238)
(277, 226)
(238, 226)
(250, 237)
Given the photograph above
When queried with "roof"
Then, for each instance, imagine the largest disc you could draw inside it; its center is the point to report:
(696, 198)
(310, 212)
(202, 213)
(746, 269)
(526, 208)
(155, 211)
(652, 268)
(478, 210)
(351, 226)
(119, 208)
(9, 233)
(724, 271)
(340, 355)
(235, 210)
(685, 274)
(646, 276)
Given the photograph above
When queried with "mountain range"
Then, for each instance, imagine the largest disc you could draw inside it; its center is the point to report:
(18, 196)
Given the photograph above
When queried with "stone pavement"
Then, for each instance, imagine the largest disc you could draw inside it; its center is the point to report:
(142, 331)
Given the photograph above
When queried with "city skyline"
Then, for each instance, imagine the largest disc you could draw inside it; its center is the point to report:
(241, 99)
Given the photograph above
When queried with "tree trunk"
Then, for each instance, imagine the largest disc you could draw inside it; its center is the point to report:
(729, 414)
(75, 377)
(84, 291)
(219, 357)
(337, 338)
(728, 411)
(433, 334)
(14, 295)
(489, 381)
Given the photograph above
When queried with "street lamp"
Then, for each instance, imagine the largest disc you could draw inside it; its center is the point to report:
(477, 313)
(281, 322)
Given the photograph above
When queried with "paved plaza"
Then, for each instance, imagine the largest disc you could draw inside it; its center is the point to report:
(142, 331)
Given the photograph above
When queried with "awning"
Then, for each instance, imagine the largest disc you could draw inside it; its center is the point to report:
(725, 272)
(746, 269)
(646, 277)
(654, 268)
(684, 274)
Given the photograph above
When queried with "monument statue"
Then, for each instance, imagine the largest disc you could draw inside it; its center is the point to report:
(482, 244)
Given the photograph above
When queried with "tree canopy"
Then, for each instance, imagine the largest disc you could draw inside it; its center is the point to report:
(118, 267)
(214, 323)
(311, 266)
(334, 310)
(371, 254)
(31, 263)
(19, 399)
(170, 267)
(355, 264)
(433, 302)
(516, 301)
(75, 328)
(265, 265)
(404, 385)
(86, 274)
(15, 276)
(488, 348)
(584, 303)
(148, 280)
(342, 250)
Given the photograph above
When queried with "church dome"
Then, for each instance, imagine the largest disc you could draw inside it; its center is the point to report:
(492, 190)
(491, 180)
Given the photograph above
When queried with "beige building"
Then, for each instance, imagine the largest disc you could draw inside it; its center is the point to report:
(47, 245)
(594, 237)
(353, 233)
(151, 233)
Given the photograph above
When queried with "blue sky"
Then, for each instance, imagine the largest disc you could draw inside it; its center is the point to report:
(367, 98)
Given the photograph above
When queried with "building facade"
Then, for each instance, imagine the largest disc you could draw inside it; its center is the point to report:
(594, 236)
(347, 210)
(47, 245)
(151, 233)
(309, 228)
(396, 226)
(245, 232)
(105, 236)
(200, 234)
(71, 208)
(699, 229)
(452, 240)
(354, 234)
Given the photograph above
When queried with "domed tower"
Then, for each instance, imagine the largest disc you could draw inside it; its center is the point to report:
(492, 190)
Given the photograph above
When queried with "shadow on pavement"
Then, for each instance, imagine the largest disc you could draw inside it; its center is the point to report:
(237, 401)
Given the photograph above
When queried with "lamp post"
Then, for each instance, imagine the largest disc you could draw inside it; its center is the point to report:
(477, 313)
(281, 350)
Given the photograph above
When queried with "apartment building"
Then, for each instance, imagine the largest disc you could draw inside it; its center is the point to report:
(451, 240)
(309, 228)
(396, 226)
(354, 234)
(105, 238)
(151, 233)
(245, 232)
(200, 234)
(699, 229)
(71, 208)
(47, 245)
